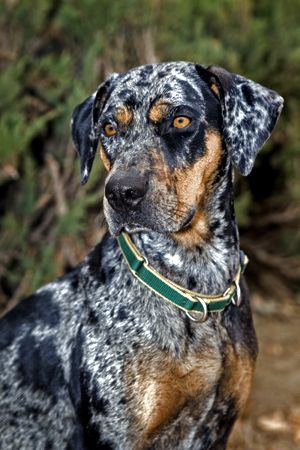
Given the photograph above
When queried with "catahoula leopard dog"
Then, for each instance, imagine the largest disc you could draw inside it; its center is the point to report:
(149, 342)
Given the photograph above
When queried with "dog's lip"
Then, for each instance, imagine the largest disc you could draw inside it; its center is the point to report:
(189, 219)
(117, 228)
(134, 228)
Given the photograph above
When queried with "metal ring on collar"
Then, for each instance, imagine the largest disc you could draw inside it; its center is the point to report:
(204, 314)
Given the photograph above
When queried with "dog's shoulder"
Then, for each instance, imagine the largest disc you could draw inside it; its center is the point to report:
(43, 310)
(56, 304)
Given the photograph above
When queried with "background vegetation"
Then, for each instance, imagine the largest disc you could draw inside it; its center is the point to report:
(54, 53)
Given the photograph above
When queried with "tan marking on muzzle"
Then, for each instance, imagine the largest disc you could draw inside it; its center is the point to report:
(104, 158)
(161, 170)
(193, 186)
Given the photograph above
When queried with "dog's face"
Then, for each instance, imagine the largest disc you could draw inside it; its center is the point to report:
(160, 140)
(167, 134)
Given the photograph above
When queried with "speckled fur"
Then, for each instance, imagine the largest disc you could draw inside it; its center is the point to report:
(95, 360)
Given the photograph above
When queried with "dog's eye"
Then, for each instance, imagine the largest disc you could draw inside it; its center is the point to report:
(181, 122)
(109, 130)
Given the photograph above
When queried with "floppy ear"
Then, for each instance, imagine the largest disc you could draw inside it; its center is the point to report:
(250, 112)
(85, 128)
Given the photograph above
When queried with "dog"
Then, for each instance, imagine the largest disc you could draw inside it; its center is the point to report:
(98, 359)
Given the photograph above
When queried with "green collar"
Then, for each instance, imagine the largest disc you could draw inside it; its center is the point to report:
(188, 301)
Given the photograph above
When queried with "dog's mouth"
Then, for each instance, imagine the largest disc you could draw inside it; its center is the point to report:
(117, 228)
(135, 227)
(149, 218)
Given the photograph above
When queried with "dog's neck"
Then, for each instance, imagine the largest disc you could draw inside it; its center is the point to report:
(209, 267)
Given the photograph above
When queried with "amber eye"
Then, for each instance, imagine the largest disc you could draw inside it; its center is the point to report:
(109, 129)
(181, 122)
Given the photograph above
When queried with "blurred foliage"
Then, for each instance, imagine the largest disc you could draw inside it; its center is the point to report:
(53, 54)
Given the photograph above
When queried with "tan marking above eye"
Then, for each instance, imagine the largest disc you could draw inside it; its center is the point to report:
(159, 111)
(109, 130)
(124, 115)
(181, 122)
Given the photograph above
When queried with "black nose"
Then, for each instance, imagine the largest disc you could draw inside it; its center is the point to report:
(125, 190)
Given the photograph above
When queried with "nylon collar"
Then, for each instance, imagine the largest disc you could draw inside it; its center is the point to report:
(189, 301)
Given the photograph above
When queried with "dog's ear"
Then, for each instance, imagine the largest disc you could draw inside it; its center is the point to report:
(249, 111)
(85, 125)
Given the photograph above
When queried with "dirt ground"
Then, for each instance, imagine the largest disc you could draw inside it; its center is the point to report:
(272, 419)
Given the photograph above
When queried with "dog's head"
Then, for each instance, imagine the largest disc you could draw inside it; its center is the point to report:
(167, 133)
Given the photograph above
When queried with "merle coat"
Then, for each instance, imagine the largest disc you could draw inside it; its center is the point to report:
(95, 360)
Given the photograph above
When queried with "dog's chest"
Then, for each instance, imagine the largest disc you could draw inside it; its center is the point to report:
(136, 385)
(159, 386)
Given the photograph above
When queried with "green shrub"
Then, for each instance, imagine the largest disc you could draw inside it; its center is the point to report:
(54, 54)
